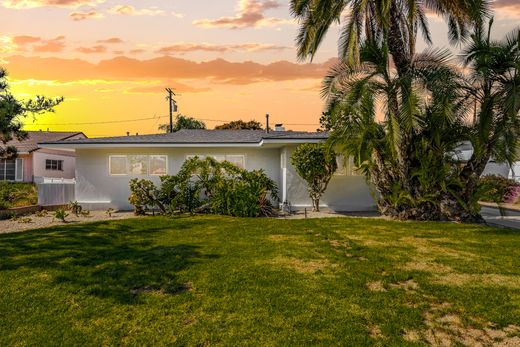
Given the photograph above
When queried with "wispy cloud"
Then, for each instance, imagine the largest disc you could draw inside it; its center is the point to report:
(92, 50)
(129, 10)
(111, 40)
(507, 8)
(174, 69)
(24, 4)
(182, 48)
(250, 14)
(38, 44)
(79, 16)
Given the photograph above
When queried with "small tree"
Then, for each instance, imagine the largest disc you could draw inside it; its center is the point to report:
(240, 125)
(12, 113)
(316, 165)
(183, 122)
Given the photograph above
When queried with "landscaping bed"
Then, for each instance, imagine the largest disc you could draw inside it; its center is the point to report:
(213, 280)
(17, 195)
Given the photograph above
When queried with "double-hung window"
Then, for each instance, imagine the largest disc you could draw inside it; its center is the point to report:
(11, 169)
(53, 165)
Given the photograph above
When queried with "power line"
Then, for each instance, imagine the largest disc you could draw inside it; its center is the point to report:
(148, 118)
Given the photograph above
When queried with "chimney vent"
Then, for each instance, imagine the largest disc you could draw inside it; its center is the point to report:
(267, 123)
(279, 127)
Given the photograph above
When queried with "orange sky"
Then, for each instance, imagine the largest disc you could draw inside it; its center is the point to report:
(228, 59)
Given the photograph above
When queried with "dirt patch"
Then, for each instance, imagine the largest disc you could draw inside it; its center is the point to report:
(447, 329)
(340, 244)
(174, 289)
(489, 280)
(408, 285)
(426, 246)
(368, 242)
(297, 239)
(425, 265)
(375, 332)
(376, 286)
(302, 266)
(412, 336)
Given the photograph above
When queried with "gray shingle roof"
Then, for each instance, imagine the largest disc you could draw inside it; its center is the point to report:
(188, 136)
(30, 144)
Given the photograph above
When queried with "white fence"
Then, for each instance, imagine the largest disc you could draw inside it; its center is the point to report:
(55, 191)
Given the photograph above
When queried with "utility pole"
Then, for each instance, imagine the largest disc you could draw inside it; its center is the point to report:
(173, 106)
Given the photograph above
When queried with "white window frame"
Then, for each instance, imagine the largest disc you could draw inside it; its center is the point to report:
(110, 165)
(52, 161)
(127, 170)
(18, 170)
(150, 165)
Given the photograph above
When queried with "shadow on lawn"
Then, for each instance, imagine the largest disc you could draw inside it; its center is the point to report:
(115, 261)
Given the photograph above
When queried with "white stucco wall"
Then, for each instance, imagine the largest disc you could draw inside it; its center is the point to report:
(344, 193)
(96, 189)
(38, 163)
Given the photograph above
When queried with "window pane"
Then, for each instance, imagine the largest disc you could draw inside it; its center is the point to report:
(219, 158)
(238, 160)
(19, 169)
(158, 164)
(340, 161)
(138, 164)
(60, 165)
(2, 169)
(10, 169)
(118, 165)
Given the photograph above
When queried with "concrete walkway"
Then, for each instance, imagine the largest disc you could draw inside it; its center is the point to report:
(509, 219)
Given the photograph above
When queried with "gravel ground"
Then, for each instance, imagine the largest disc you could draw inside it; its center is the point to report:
(34, 222)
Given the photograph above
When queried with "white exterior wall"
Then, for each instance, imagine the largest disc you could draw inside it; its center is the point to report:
(344, 193)
(38, 163)
(96, 189)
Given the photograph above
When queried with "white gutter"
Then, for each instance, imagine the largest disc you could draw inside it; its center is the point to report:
(176, 145)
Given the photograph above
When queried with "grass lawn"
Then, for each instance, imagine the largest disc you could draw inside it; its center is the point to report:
(226, 281)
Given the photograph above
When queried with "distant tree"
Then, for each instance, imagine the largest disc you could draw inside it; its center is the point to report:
(240, 125)
(183, 122)
(316, 165)
(13, 110)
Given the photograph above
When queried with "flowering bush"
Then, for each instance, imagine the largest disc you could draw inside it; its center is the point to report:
(498, 189)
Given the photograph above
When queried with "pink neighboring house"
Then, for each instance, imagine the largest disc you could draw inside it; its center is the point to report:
(34, 162)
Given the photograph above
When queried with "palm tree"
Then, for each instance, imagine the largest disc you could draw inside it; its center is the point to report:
(495, 87)
(394, 23)
(434, 115)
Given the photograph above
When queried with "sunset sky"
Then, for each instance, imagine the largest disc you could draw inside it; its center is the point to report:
(228, 59)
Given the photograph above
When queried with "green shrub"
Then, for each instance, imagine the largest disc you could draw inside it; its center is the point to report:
(209, 185)
(498, 189)
(144, 196)
(75, 208)
(61, 214)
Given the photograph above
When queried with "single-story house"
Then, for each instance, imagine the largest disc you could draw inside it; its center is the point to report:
(34, 162)
(104, 166)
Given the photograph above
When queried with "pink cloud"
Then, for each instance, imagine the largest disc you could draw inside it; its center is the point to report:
(111, 40)
(182, 48)
(129, 10)
(79, 16)
(47, 46)
(250, 14)
(92, 50)
(23, 4)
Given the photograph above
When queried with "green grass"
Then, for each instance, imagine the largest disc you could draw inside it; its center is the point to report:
(226, 281)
